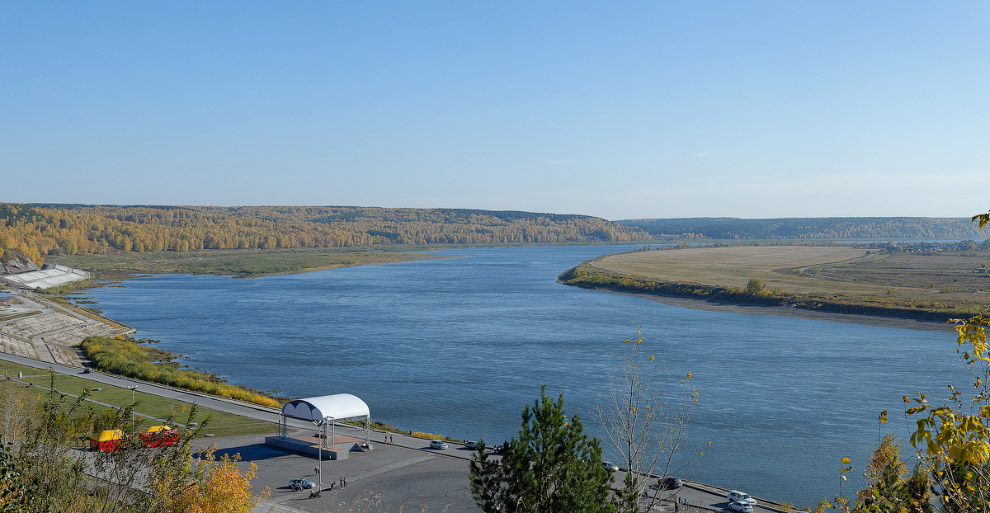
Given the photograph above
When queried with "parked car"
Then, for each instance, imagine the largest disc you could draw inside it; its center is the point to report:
(611, 467)
(471, 445)
(737, 496)
(438, 444)
(301, 484)
(741, 507)
(670, 483)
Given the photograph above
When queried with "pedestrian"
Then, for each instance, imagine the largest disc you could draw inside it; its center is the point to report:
(341, 482)
(386, 439)
(390, 439)
(344, 479)
(316, 470)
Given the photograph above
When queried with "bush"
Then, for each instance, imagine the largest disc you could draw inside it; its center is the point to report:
(128, 357)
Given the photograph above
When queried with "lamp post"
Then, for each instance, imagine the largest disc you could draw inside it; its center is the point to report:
(319, 434)
(133, 388)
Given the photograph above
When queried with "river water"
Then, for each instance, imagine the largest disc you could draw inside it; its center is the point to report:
(459, 346)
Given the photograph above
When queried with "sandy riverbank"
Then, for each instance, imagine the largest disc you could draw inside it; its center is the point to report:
(785, 311)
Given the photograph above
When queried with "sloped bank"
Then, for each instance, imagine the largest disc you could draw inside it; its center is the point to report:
(773, 301)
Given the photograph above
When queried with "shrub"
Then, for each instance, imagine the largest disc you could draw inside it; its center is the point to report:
(127, 357)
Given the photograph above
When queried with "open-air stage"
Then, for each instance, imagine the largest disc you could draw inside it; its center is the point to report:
(334, 448)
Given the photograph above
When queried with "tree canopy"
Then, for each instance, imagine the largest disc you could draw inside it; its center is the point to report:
(551, 467)
(42, 230)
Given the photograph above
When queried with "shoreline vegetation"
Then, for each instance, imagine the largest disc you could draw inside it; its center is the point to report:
(713, 278)
(596, 279)
(138, 359)
(134, 358)
(122, 242)
(235, 263)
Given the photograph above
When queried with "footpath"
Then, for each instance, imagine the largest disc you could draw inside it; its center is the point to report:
(405, 468)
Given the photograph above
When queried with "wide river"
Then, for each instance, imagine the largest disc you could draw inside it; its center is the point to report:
(459, 346)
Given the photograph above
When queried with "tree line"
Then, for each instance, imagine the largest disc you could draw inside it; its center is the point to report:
(825, 228)
(40, 230)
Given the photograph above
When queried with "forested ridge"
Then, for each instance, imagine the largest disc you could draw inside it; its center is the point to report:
(40, 230)
(813, 228)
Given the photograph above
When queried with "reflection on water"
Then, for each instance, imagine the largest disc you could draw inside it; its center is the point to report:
(459, 346)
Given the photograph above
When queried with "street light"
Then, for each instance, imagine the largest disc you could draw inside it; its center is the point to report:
(133, 388)
(319, 473)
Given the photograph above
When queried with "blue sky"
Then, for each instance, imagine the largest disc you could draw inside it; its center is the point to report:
(614, 109)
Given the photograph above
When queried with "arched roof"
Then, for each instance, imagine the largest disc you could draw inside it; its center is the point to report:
(336, 407)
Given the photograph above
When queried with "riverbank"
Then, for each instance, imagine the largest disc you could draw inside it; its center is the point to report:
(827, 283)
(720, 299)
(237, 263)
(714, 305)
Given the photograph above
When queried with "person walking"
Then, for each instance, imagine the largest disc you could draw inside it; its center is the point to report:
(344, 479)
(390, 439)
(316, 470)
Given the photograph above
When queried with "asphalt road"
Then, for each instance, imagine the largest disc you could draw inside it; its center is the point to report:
(406, 474)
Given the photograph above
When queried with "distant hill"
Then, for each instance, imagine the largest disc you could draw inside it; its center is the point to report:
(813, 228)
(39, 230)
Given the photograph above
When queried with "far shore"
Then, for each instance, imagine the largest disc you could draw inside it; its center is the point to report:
(712, 305)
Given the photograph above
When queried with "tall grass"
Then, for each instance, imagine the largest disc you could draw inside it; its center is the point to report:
(128, 357)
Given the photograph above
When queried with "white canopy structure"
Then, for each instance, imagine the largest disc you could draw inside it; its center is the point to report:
(337, 407)
(326, 409)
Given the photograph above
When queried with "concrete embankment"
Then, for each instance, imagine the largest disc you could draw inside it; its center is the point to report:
(51, 276)
(44, 330)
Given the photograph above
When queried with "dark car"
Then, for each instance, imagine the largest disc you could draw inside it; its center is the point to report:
(670, 483)
(301, 484)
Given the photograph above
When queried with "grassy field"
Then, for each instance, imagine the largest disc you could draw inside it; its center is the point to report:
(220, 423)
(240, 263)
(734, 266)
(944, 283)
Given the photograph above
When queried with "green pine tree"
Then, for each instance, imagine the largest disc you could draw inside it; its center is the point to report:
(552, 467)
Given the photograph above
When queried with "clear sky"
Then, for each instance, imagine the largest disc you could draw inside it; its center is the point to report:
(614, 109)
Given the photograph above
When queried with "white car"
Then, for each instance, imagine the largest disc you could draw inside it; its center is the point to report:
(741, 507)
(737, 496)
(438, 444)
(609, 466)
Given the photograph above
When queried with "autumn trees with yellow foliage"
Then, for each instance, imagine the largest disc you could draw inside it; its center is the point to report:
(42, 230)
(951, 443)
(39, 473)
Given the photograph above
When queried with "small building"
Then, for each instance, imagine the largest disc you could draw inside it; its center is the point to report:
(107, 441)
(6, 300)
(159, 436)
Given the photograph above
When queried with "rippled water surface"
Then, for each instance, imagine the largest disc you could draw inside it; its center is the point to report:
(459, 346)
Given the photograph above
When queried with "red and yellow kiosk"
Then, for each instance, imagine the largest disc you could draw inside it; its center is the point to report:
(159, 436)
(107, 441)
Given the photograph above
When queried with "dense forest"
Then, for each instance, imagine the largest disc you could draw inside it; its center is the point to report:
(40, 230)
(823, 228)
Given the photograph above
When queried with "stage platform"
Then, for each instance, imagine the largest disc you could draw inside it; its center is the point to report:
(336, 448)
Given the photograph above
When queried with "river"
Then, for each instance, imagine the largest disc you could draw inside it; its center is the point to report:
(459, 346)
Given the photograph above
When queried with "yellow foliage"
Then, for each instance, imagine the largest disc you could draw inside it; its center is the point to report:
(428, 435)
(220, 486)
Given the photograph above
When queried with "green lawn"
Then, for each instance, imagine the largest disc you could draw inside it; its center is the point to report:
(220, 423)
